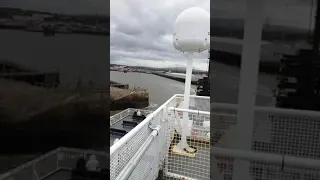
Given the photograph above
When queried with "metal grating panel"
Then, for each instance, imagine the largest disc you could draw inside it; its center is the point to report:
(197, 167)
(276, 131)
(145, 165)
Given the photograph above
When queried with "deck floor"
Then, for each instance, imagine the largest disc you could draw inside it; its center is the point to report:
(197, 167)
(118, 125)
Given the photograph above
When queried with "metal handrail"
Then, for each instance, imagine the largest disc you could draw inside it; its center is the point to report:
(298, 112)
(189, 111)
(193, 96)
(131, 165)
(134, 131)
(281, 160)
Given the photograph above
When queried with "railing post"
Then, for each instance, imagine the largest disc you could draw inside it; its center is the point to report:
(248, 83)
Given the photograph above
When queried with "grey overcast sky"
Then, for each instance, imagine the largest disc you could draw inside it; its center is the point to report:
(141, 30)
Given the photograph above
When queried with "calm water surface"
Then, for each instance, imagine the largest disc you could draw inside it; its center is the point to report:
(160, 89)
(75, 56)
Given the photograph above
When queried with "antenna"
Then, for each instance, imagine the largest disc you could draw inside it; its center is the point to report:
(191, 35)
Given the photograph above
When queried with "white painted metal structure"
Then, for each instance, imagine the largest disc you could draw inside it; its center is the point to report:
(285, 146)
(248, 81)
(191, 34)
(247, 142)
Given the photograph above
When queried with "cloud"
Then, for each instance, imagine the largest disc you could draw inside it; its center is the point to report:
(141, 32)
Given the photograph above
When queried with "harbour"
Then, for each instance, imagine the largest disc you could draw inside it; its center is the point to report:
(239, 132)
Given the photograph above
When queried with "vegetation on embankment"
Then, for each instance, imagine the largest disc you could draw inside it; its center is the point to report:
(36, 120)
(128, 98)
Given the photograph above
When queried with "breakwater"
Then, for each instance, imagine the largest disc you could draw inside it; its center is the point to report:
(10, 70)
(194, 82)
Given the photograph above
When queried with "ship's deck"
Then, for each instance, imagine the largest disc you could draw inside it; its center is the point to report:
(125, 122)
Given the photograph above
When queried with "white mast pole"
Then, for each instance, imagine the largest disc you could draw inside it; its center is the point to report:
(248, 84)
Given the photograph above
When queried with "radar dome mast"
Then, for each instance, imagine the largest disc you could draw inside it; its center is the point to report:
(191, 35)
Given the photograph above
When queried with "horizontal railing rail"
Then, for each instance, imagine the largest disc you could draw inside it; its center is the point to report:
(227, 106)
(123, 151)
(274, 159)
(262, 165)
(28, 164)
(189, 110)
(283, 132)
(134, 131)
(132, 164)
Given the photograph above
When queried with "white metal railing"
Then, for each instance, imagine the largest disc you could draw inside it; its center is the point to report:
(128, 146)
(130, 167)
(52, 162)
(198, 136)
(285, 146)
(125, 149)
(277, 131)
(263, 165)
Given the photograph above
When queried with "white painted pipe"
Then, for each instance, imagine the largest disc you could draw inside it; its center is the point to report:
(186, 101)
(136, 130)
(291, 112)
(189, 111)
(132, 164)
(274, 159)
(194, 96)
(248, 83)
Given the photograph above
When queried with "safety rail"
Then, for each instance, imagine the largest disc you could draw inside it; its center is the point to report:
(263, 165)
(284, 132)
(195, 166)
(130, 167)
(285, 145)
(52, 162)
(153, 159)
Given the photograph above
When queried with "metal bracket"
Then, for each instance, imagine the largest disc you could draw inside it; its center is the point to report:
(154, 128)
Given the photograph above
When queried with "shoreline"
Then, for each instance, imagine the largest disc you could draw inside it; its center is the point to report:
(18, 28)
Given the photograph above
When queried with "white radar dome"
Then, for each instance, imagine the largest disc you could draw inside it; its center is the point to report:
(192, 30)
